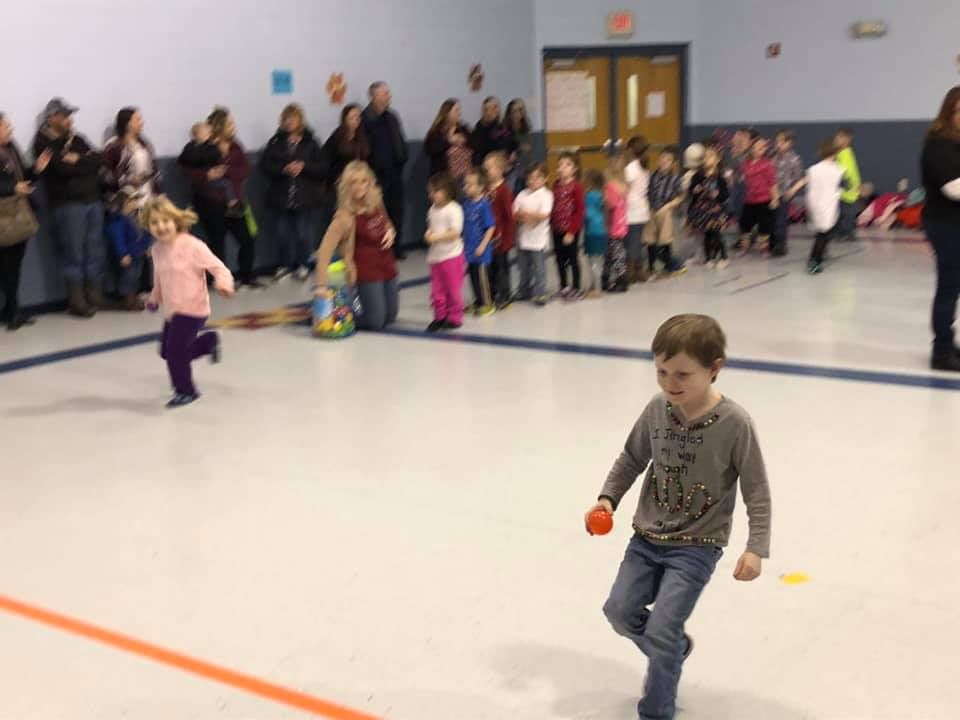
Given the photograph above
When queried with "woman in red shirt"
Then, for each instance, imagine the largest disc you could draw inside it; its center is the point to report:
(364, 235)
(762, 196)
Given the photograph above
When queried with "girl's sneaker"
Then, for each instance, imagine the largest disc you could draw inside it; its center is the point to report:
(723, 264)
(447, 325)
(435, 326)
(181, 399)
(486, 310)
(574, 296)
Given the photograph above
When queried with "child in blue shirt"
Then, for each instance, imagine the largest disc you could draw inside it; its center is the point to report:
(595, 231)
(478, 230)
(129, 243)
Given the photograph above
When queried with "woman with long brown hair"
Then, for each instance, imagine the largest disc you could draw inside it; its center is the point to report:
(218, 215)
(940, 163)
(347, 143)
(448, 142)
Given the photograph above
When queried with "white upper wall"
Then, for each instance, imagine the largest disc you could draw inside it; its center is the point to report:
(562, 23)
(177, 58)
(823, 73)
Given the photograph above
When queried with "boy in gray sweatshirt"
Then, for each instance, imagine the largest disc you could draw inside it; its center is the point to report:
(695, 445)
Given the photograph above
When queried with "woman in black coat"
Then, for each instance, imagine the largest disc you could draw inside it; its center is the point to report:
(347, 143)
(941, 220)
(296, 169)
(16, 180)
(448, 142)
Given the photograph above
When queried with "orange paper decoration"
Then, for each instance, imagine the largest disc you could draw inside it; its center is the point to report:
(336, 89)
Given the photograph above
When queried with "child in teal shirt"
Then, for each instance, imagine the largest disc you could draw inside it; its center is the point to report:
(595, 230)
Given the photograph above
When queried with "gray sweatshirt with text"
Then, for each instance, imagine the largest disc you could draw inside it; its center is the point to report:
(690, 488)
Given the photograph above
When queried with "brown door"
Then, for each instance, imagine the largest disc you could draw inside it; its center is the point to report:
(577, 102)
(648, 99)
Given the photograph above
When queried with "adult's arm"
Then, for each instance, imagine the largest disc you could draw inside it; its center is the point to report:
(401, 140)
(273, 159)
(238, 167)
(340, 234)
(316, 166)
(436, 143)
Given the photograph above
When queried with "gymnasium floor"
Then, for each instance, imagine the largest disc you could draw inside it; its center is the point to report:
(392, 524)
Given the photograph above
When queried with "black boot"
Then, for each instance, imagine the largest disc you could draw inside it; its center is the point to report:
(947, 362)
(77, 302)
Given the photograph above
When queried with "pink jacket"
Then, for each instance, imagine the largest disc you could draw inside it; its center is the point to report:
(616, 203)
(180, 276)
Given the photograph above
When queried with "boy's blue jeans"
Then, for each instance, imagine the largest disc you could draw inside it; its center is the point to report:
(670, 578)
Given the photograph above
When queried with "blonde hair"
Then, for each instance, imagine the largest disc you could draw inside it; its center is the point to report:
(353, 171)
(294, 110)
(162, 206)
(616, 169)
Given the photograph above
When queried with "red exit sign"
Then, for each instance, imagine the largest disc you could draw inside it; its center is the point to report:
(620, 24)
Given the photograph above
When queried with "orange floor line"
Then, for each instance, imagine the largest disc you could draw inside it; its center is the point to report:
(224, 676)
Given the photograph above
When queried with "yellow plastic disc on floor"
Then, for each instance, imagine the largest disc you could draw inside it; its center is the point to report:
(795, 578)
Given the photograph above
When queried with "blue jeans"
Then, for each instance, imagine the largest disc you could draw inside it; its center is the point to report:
(295, 235)
(128, 278)
(78, 233)
(380, 302)
(945, 239)
(533, 274)
(671, 579)
(635, 247)
(847, 227)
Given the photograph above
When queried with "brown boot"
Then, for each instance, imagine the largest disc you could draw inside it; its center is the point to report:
(640, 272)
(132, 303)
(97, 300)
(77, 302)
(631, 276)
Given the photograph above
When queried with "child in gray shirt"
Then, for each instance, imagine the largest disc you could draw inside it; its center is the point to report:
(694, 444)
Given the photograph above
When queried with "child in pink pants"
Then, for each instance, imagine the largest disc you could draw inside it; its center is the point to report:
(444, 238)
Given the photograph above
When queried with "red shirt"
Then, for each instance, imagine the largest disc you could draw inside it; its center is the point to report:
(569, 207)
(760, 176)
(374, 262)
(501, 200)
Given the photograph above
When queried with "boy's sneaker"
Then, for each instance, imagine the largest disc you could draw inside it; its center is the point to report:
(486, 310)
(814, 268)
(447, 325)
(181, 399)
(435, 326)
(541, 301)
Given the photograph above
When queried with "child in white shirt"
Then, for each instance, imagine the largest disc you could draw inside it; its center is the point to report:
(824, 185)
(638, 207)
(444, 239)
(532, 210)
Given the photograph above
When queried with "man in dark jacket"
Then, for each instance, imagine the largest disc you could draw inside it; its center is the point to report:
(388, 154)
(73, 192)
(296, 169)
(490, 134)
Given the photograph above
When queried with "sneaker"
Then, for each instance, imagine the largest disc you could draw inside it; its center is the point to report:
(541, 301)
(595, 294)
(814, 268)
(486, 310)
(301, 274)
(436, 326)
(447, 325)
(723, 264)
(216, 355)
(181, 399)
(677, 270)
(281, 273)
(951, 363)
(562, 293)
(473, 309)
(574, 296)
(504, 305)
(711, 264)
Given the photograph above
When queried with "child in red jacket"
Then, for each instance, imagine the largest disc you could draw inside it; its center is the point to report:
(501, 199)
(569, 209)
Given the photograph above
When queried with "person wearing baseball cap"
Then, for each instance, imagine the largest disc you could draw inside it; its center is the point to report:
(72, 185)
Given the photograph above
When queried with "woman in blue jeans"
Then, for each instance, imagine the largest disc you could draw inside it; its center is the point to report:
(364, 235)
(941, 219)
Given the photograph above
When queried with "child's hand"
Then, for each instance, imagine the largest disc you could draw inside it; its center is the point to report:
(225, 292)
(428, 237)
(604, 505)
(749, 567)
(568, 239)
(126, 261)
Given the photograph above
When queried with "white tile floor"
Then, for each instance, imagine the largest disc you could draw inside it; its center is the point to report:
(394, 523)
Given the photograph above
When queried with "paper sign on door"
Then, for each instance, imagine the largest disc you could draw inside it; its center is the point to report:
(656, 104)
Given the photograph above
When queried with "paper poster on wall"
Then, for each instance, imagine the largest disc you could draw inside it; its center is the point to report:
(571, 99)
(656, 104)
(282, 82)
(633, 101)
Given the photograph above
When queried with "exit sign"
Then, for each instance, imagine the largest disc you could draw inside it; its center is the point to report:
(620, 24)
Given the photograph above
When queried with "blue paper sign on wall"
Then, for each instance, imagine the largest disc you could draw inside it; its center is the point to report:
(282, 82)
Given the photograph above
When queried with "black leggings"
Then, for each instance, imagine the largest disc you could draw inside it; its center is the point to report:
(567, 257)
(820, 246)
(713, 246)
(480, 281)
(11, 260)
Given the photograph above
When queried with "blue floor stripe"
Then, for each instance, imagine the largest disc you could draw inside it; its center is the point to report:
(779, 368)
(765, 366)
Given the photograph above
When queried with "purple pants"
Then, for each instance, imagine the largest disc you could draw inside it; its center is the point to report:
(180, 345)
(446, 290)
